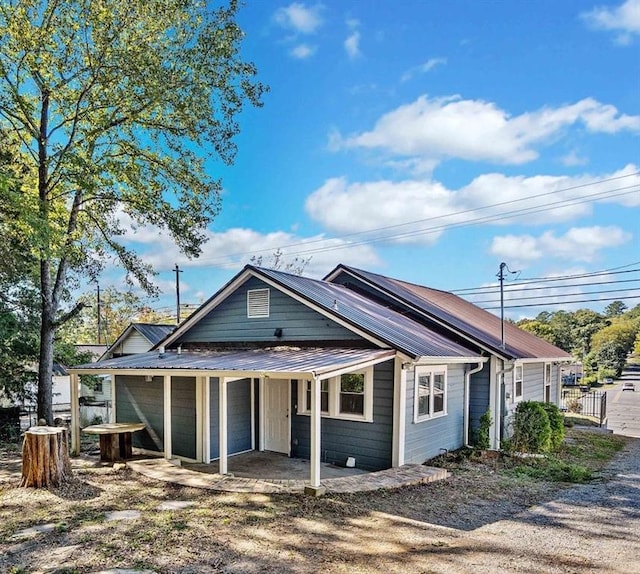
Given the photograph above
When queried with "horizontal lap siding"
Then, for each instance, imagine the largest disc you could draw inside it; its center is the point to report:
(429, 438)
(228, 322)
(478, 397)
(533, 378)
(183, 416)
(238, 417)
(369, 443)
(139, 401)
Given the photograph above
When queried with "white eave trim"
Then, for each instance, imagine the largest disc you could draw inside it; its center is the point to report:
(448, 360)
(545, 360)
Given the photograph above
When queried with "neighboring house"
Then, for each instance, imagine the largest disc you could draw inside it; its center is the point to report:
(323, 370)
(136, 338)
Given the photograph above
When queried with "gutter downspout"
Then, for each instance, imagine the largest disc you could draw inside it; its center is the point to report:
(500, 402)
(467, 382)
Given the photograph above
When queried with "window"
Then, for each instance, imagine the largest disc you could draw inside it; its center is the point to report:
(98, 387)
(348, 396)
(352, 393)
(430, 393)
(517, 383)
(547, 382)
(257, 303)
(324, 395)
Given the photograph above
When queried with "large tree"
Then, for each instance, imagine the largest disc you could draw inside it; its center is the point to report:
(117, 106)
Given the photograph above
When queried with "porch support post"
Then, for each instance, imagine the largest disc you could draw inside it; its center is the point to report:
(261, 398)
(253, 413)
(494, 388)
(222, 390)
(206, 400)
(167, 416)
(75, 416)
(399, 414)
(314, 487)
(199, 420)
(112, 410)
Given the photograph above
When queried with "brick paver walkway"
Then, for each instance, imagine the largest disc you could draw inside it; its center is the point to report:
(162, 469)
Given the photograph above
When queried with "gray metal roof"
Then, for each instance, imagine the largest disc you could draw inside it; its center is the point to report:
(383, 323)
(463, 316)
(282, 359)
(153, 333)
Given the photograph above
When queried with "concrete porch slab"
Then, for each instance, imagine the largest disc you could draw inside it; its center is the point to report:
(266, 480)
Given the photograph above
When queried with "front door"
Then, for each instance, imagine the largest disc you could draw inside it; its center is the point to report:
(276, 415)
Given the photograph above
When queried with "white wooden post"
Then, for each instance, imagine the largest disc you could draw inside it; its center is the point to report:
(200, 428)
(399, 414)
(75, 416)
(206, 445)
(315, 436)
(112, 386)
(222, 390)
(261, 422)
(167, 416)
(253, 414)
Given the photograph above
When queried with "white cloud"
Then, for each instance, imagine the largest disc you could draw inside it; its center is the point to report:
(373, 208)
(423, 68)
(352, 45)
(299, 18)
(303, 51)
(577, 244)
(450, 127)
(623, 19)
(572, 159)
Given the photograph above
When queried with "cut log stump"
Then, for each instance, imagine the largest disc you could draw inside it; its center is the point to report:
(45, 457)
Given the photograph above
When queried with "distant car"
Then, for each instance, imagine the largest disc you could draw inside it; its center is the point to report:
(607, 381)
(628, 386)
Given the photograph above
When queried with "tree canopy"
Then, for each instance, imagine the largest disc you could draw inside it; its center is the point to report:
(115, 108)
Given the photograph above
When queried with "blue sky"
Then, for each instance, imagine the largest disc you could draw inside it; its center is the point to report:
(431, 141)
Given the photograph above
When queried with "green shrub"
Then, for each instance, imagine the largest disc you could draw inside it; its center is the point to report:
(483, 440)
(556, 421)
(531, 428)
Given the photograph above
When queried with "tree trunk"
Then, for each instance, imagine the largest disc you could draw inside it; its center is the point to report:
(45, 369)
(45, 457)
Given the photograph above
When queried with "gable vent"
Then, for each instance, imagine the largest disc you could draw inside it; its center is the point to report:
(257, 303)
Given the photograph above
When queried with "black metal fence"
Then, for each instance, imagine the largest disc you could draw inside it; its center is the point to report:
(585, 402)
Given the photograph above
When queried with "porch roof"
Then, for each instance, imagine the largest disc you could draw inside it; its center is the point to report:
(274, 360)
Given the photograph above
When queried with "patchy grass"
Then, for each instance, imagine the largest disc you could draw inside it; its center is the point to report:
(229, 532)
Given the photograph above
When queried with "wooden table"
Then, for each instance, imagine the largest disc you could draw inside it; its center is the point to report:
(115, 439)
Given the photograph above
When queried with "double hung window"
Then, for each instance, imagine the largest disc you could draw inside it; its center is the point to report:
(430, 393)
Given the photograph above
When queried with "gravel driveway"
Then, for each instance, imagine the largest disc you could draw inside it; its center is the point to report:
(590, 528)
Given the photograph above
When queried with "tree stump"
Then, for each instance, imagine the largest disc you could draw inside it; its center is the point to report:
(45, 457)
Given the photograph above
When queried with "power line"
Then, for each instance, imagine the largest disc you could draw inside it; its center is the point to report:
(550, 304)
(530, 297)
(515, 289)
(524, 211)
(555, 278)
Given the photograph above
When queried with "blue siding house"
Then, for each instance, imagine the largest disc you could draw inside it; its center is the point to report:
(355, 366)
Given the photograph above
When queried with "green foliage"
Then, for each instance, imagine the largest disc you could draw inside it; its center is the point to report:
(552, 469)
(111, 109)
(531, 428)
(556, 422)
(483, 440)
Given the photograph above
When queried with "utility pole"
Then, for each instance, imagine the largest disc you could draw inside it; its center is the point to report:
(178, 271)
(98, 310)
(501, 278)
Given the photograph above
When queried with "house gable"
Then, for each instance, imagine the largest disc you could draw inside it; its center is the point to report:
(229, 321)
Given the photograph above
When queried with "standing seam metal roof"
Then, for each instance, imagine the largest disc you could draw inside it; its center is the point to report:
(276, 359)
(395, 329)
(465, 317)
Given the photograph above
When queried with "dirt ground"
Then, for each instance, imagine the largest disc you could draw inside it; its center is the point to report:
(479, 520)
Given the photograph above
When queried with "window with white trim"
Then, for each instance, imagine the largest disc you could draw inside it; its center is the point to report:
(348, 396)
(324, 396)
(518, 383)
(430, 393)
(257, 303)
